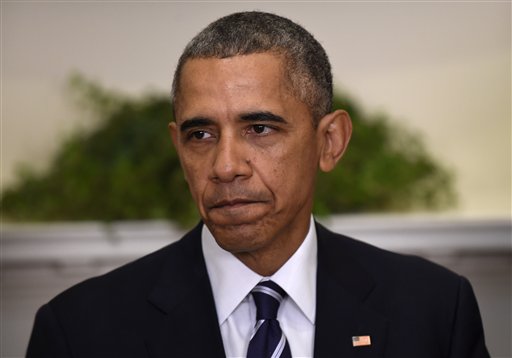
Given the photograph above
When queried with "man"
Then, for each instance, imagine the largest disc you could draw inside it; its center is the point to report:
(253, 123)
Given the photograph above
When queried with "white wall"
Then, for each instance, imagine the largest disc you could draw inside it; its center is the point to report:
(39, 261)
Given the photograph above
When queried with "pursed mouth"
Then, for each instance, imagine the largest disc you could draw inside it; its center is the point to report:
(232, 203)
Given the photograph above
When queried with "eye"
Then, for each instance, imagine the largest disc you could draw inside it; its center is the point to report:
(261, 129)
(200, 135)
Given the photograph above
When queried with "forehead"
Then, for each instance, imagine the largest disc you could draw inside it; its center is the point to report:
(233, 83)
(245, 67)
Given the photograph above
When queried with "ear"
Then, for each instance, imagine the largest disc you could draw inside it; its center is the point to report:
(334, 130)
(173, 131)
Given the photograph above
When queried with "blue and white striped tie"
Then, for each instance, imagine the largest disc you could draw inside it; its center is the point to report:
(268, 340)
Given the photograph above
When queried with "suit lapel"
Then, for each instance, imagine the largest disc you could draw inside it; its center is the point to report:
(183, 321)
(343, 291)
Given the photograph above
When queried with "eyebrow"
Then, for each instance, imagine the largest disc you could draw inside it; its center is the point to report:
(263, 116)
(260, 116)
(195, 122)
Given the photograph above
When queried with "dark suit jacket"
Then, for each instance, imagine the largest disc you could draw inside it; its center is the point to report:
(162, 306)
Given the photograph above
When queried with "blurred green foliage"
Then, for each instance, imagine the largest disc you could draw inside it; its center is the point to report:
(125, 168)
(385, 168)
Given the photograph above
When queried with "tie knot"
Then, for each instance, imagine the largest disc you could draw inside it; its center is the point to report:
(267, 297)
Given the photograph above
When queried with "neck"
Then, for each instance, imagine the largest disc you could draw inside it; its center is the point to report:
(268, 260)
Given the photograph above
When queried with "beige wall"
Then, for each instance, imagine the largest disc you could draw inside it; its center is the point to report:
(440, 68)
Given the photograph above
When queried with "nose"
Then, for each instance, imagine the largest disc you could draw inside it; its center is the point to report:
(231, 160)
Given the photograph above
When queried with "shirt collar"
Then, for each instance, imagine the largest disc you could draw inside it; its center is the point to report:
(232, 281)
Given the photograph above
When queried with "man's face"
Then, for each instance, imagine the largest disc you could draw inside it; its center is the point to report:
(249, 151)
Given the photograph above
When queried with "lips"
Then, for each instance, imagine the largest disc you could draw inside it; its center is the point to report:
(234, 212)
(233, 203)
(226, 197)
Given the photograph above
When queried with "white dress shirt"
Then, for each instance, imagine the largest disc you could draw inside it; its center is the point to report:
(232, 283)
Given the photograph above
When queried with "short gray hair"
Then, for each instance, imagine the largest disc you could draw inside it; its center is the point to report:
(307, 66)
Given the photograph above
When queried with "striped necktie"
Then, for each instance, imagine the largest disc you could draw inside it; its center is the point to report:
(268, 340)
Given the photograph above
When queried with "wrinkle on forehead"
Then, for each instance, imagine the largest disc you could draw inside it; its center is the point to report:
(213, 84)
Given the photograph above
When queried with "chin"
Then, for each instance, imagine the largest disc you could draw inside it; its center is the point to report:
(239, 238)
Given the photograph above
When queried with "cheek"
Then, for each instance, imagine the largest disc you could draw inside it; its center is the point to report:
(195, 176)
(287, 171)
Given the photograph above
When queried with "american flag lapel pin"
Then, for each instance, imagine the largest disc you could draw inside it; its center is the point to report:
(361, 341)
